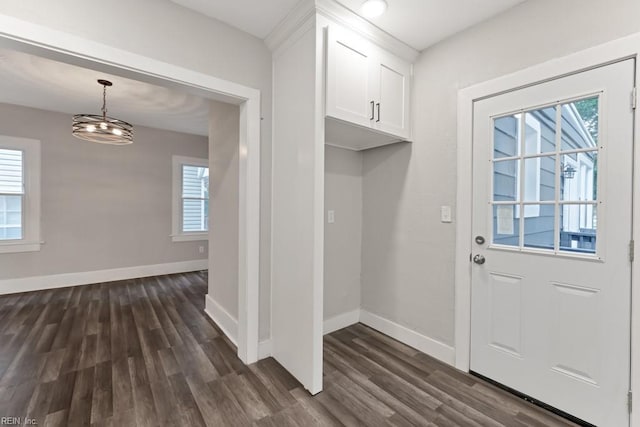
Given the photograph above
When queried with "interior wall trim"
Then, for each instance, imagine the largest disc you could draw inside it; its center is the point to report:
(301, 15)
(434, 348)
(340, 321)
(429, 346)
(54, 281)
(222, 318)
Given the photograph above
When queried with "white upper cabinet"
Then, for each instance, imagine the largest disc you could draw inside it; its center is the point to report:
(367, 86)
(350, 78)
(392, 80)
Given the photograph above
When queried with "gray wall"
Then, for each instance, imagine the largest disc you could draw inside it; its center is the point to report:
(343, 238)
(167, 32)
(103, 206)
(224, 125)
(408, 255)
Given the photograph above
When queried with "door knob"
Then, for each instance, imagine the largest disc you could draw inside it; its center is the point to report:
(479, 259)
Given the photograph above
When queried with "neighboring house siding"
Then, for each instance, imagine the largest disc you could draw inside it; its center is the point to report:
(193, 210)
(539, 228)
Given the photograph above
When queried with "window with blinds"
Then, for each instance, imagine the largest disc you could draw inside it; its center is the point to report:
(195, 198)
(190, 199)
(11, 194)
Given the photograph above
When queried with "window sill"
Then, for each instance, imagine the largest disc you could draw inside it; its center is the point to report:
(189, 237)
(19, 246)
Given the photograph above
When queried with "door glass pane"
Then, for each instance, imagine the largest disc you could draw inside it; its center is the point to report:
(578, 225)
(10, 217)
(579, 180)
(540, 131)
(539, 179)
(580, 124)
(539, 223)
(505, 180)
(506, 139)
(506, 227)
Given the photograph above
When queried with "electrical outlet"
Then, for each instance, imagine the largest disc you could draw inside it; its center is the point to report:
(331, 217)
(201, 249)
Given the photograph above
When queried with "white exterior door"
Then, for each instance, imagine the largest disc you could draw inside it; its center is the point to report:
(551, 281)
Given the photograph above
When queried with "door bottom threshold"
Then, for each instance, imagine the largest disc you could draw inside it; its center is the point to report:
(536, 402)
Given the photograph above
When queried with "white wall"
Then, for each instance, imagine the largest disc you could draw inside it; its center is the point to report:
(408, 255)
(103, 206)
(167, 32)
(224, 122)
(298, 205)
(343, 238)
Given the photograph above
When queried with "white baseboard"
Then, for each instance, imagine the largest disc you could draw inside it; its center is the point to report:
(330, 325)
(433, 348)
(340, 321)
(36, 283)
(429, 346)
(222, 318)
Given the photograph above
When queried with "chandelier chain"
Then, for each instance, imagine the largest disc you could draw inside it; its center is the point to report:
(104, 101)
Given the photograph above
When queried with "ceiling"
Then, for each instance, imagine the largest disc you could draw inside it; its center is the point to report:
(418, 23)
(73, 90)
(422, 23)
(256, 17)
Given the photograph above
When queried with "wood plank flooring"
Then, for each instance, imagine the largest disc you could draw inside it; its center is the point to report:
(142, 353)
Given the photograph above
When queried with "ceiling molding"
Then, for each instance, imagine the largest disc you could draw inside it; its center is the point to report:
(341, 15)
(295, 19)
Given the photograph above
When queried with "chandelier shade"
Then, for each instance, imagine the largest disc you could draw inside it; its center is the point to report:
(102, 129)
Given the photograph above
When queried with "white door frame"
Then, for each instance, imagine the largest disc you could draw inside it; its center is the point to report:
(627, 47)
(53, 44)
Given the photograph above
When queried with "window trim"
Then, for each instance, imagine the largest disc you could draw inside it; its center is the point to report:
(31, 214)
(177, 235)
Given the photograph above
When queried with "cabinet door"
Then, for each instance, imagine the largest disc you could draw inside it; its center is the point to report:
(349, 77)
(393, 80)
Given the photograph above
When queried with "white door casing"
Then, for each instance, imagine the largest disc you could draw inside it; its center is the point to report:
(552, 323)
(52, 44)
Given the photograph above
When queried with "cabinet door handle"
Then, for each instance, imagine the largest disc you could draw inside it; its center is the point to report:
(378, 105)
(373, 111)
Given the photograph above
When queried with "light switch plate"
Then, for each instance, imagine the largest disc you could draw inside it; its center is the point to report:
(331, 217)
(445, 213)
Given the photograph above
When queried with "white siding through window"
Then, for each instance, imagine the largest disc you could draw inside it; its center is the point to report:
(195, 198)
(11, 194)
(190, 199)
(19, 195)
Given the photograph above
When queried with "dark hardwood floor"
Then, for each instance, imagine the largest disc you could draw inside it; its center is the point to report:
(142, 353)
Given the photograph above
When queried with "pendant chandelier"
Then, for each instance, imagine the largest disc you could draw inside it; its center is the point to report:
(102, 129)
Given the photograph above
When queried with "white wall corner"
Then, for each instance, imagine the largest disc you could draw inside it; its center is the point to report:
(294, 20)
(429, 346)
(37, 283)
(226, 322)
(264, 349)
(341, 321)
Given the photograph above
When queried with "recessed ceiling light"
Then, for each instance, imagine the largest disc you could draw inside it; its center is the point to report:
(373, 8)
